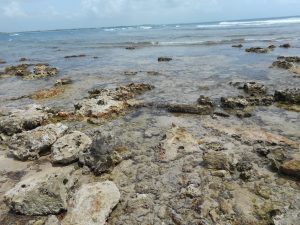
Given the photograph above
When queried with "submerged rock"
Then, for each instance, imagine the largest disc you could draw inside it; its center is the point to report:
(259, 50)
(31, 144)
(203, 100)
(287, 45)
(189, 109)
(74, 56)
(23, 59)
(254, 88)
(20, 120)
(164, 59)
(130, 48)
(47, 93)
(67, 148)
(18, 70)
(288, 96)
(44, 70)
(283, 65)
(237, 46)
(41, 194)
(92, 204)
(291, 168)
(101, 156)
(293, 59)
(63, 81)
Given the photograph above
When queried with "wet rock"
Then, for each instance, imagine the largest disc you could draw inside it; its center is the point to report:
(153, 73)
(292, 59)
(272, 47)
(283, 65)
(189, 109)
(176, 143)
(74, 56)
(288, 96)
(130, 73)
(92, 204)
(101, 156)
(258, 50)
(203, 100)
(130, 48)
(41, 194)
(291, 168)
(29, 145)
(19, 120)
(164, 59)
(18, 70)
(234, 102)
(237, 46)
(67, 148)
(254, 88)
(63, 81)
(217, 160)
(221, 114)
(276, 157)
(44, 70)
(105, 102)
(52, 220)
(23, 59)
(244, 166)
(47, 93)
(287, 45)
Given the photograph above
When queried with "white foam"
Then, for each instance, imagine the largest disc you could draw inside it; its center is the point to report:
(145, 27)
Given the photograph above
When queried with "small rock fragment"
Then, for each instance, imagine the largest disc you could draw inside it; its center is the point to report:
(164, 59)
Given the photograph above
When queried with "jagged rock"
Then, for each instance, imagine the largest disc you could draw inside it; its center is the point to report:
(19, 120)
(47, 93)
(52, 220)
(67, 148)
(18, 70)
(291, 168)
(203, 100)
(254, 88)
(237, 46)
(63, 81)
(234, 102)
(283, 65)
(43, 70)
(218, 160)
(190, 109)
(177, 142)
(292, 59)
(105, 102)
(259, 50)
(41, 194)
(29, 145)
(288, 96)
(164, 59)
(74, 56)
(287, 45)
(101, 156)
(92, 204)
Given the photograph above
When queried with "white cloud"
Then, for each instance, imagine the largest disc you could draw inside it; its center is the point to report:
(13, 10)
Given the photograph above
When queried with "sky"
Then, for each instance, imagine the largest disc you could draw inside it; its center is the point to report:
(29, 15)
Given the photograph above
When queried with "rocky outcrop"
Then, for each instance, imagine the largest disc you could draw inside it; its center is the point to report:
(41, 194)
(176, 143)
(67, 148)
(29, 145)
(17, 120)
(287, 45)
(101, 156)
(254, 88)
(239, 102)
(203, 100)
(259, 50)
(164, 59)
(105, 102)
(291, 168)
(283, 65)
(92, 204)
(288, 96)
(292, 59)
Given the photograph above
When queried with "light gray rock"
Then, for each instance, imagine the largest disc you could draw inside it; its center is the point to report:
(43, 193)
(29, 145)
(52, 220)
(18, 120)
(66, 149)
(92, 204)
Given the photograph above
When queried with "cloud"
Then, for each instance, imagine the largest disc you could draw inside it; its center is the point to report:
(13, 10)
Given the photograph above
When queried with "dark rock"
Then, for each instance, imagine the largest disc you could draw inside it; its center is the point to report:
(258, 50)
(164, 59)
(18, 70)
(23, 59)
(287, 45)
(130, 73)
(130, 48)
(294, 59)
(63, 81)
(239, 102)
(74, 56)
(272, 47)
(203, 100)
(288, 96)
(291, 168)
(283, 65)
(255, 88)
(190, 109)
(153, 73)
(237, 46)
(222, 114)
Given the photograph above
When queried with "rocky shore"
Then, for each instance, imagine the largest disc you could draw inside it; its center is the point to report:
(117, 158)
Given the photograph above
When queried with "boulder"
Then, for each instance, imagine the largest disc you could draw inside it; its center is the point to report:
(287, 45)
(67, 148)
(29, 145)
(164, 59)
(101, 156)
(291, 168)
(259, 50)
(19, 120)
(92, 204)
(288, 96)
(18, 70)
(254, 88)
(41, 194)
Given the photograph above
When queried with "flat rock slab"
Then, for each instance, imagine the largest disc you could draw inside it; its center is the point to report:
(92, 204)
(41, 194)
(19, 120)
(29, 145)
(66, 149)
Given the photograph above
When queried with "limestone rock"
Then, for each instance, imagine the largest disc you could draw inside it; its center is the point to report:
(255, 88)
(288, 96)
(41, 194)
(291, 168)
(52, 220)
(67, 148)
(234, 102)
(19, 120)
(218, 160)
(31, 144)
(203, 100)
(92, 204)
(190, 109)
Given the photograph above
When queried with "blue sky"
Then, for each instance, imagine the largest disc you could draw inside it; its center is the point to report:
(23, 15)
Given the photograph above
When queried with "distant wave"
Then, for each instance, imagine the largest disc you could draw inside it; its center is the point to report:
(145, 27)
(16, 34)
(267, 22)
